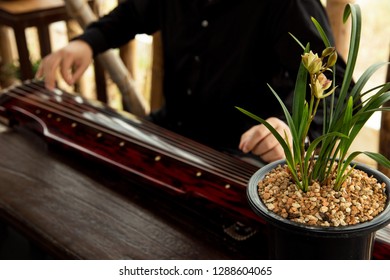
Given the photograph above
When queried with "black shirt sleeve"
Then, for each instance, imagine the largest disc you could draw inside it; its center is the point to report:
(128, 19)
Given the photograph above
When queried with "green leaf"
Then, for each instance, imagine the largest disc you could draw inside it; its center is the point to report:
(290, 122)
(380, 159)
(354, 11)
(296, 39)
(365, 77)
(299, 95)
(321, 31)
(278, 137)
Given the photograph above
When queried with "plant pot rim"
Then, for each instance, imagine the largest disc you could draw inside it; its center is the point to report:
(362, 228)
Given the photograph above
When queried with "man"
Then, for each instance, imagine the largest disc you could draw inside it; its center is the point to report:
(217, 54)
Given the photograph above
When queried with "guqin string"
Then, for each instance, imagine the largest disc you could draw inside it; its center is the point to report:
(74, 107)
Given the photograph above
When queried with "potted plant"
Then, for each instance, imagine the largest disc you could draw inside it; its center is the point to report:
(318, 203)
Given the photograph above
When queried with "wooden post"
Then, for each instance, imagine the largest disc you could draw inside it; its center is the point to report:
(7, 77)
(156, 92)
(341, 31)
(384, 132)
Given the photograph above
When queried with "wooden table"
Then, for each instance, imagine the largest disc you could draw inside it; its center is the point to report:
(75, 209)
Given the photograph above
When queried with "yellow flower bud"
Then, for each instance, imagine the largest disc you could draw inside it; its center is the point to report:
(331, 53)
(324, 81)
(317, 89)
(328, 51)
(321, 84)
(332, 59)
(312, 62)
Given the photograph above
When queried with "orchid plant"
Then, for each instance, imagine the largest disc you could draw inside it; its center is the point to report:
(327, 156)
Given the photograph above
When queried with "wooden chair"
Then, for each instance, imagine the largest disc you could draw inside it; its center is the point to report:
(22, 14)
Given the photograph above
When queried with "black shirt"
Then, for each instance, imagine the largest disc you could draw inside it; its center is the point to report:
(219, 54)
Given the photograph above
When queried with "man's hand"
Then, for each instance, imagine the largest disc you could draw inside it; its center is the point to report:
(72, 61)
(260, 141)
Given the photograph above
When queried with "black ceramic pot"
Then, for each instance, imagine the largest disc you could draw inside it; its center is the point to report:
(292, 240)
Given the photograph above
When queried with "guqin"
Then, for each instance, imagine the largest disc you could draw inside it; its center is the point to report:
(153, 155)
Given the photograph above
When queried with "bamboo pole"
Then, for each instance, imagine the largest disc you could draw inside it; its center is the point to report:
(73, 29)
(127, 53)
(133, 101)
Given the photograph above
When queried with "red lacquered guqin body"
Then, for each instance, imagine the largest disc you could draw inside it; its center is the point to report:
(155, 156)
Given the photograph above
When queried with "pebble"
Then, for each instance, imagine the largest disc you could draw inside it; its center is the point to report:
(361, 199)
